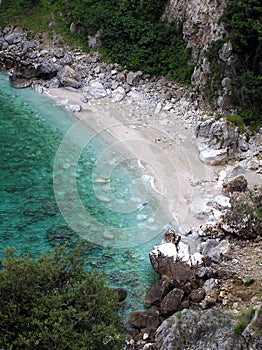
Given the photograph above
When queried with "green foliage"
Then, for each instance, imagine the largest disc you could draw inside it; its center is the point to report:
(236, 120)
(244, 321)
(52, 303)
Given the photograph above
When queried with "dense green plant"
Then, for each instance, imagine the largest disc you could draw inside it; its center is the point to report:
(243, 22)
(132, 32)
(236, 120)
(245, 319)
(52, 303)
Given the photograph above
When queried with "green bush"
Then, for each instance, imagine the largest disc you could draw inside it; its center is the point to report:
(245, 320)
(236, 120)
(52, 303)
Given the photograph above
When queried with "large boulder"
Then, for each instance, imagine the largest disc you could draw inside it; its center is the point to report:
(171, 301)
(237, 184)
(67, 76)
(199, 330)
(217, 141)
(175, 261)
(97, 89)
(47, 70)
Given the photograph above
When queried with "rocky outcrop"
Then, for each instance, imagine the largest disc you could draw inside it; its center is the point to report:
(200, 21)
(217, 141)
(185, 281)
(199, 330)
(201, 25)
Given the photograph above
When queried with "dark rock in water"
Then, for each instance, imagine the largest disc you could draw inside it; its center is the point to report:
(61, 235)
(149, 319)
(199, 330)
(157, 292)
(23, 75)
(20, 82)
(122, 294)
(49, 208)
(171, 301)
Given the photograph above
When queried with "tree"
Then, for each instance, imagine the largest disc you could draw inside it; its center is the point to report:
(53, 303)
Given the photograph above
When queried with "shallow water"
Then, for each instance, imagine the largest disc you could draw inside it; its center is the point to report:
(63, 183)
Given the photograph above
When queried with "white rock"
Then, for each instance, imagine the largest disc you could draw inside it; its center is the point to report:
(74, 108)
(97, 90)
(223, 201)
(213, 156)
(118, 94)
(166, 249)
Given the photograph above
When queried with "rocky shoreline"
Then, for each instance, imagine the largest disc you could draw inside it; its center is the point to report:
(205, 276)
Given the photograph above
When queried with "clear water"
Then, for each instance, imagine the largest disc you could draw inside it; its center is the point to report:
(62, 183)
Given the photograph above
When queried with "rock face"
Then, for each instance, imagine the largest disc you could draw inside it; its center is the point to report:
(200, 20)
(201, 24)
(199, 330)
(217, 141)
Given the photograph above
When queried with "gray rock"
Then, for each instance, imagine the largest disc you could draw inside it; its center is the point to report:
(74, 108)
(253, 332)
(118, 94)
(84, 99)
(214, 156)
(133, 77)
(47, 70)
(226, 51)
(199, 330)
(13, 38)
(97, 89)
(67, 76)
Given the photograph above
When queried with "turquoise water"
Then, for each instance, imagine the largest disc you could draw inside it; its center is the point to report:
(58, 186)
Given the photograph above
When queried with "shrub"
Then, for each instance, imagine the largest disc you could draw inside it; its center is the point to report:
(52, 303)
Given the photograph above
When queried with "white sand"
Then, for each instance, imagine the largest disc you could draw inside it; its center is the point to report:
(161, 142)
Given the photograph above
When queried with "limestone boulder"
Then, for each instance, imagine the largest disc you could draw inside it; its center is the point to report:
(67, 76)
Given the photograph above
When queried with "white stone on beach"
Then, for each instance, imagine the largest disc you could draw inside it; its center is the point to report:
(118, 94)
(213, 156)
(74, 108)
(97, 89)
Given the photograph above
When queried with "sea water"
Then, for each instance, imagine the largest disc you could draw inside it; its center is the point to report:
(63, 183)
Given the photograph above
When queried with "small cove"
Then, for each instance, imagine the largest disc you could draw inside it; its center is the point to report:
(113, 206)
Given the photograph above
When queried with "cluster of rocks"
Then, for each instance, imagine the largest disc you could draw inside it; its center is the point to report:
(186, 281)
(29, 63)
(219, 141)
(241, 216)
(190, 284)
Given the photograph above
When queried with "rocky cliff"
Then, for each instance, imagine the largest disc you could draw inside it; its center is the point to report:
(199, 20)
(201, 25)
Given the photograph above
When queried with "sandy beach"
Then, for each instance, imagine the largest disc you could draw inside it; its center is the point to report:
(162, 143)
